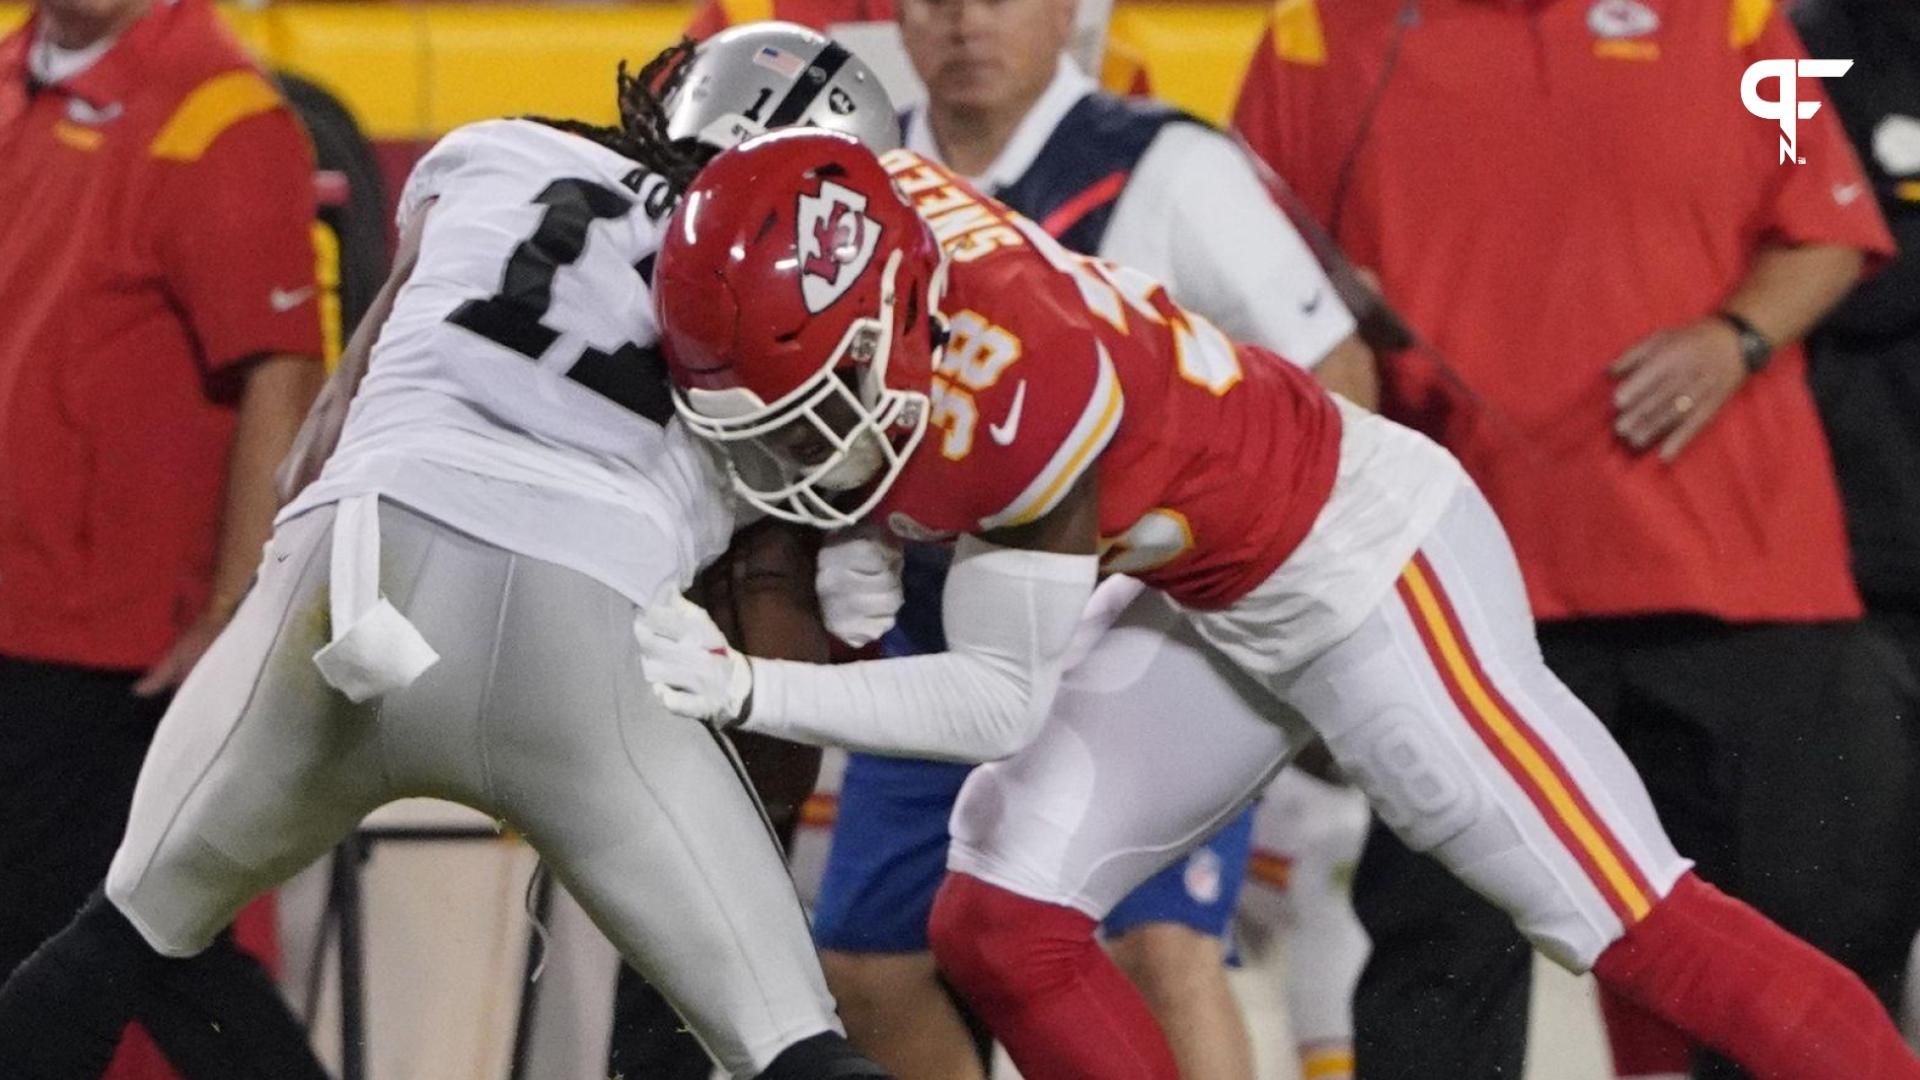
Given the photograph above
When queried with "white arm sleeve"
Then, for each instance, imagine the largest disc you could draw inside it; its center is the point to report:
(1196, 215)
(1010, 615)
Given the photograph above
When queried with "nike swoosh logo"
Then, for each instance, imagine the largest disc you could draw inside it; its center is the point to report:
(1004, 431)
(1846, 193)
(288, 299)
(1312, 304)
(80, 112)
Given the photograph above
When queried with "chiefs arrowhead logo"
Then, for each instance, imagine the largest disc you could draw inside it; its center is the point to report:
(837, 241)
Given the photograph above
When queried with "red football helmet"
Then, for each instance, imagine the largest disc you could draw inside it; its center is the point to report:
(797, 293)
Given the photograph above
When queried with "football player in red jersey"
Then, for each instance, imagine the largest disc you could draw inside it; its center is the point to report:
(872, 338)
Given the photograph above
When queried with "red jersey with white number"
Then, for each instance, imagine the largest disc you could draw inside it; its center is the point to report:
(1213, 459)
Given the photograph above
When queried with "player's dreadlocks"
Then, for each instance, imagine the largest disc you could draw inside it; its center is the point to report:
(642, 131)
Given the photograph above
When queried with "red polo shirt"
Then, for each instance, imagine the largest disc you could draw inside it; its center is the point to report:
(1540, 187)
(155, 216)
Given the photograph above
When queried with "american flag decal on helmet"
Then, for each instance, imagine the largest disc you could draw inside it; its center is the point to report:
(783, 63)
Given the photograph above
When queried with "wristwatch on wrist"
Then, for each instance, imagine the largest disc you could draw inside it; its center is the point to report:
(1755, 347)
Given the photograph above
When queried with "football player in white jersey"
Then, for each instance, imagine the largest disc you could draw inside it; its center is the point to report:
(446, 610)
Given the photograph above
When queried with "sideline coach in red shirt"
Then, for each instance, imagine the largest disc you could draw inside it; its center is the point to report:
(1570, 199)
(159, 345)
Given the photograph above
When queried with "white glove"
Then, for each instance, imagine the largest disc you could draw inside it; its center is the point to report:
(858, 582)
(689, 664)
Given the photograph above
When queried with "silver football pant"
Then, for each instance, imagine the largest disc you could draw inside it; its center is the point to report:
(536, 714)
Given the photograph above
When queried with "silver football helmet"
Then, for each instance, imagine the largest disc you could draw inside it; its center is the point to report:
(756, 76)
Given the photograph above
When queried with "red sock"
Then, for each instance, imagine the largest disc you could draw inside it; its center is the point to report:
(1044, 986)
(1723, 973)
(1643, 1044)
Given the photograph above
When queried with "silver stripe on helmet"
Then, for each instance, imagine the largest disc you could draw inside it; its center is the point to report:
(738, 81)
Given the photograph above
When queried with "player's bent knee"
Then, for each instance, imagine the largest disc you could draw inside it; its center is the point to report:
(971, 943)
(826, 1056)
(993, 943)
(1412, 775)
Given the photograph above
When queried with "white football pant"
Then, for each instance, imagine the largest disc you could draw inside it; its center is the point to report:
(1438, 707)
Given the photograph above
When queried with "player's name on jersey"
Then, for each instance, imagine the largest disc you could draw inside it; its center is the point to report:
(964, 225)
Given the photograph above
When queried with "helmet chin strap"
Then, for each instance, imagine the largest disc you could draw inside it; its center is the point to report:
(873, 376)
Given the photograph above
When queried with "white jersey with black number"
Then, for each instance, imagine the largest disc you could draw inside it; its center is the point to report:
(516, 392)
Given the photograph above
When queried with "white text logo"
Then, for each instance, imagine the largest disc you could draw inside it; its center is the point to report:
(1787, 108)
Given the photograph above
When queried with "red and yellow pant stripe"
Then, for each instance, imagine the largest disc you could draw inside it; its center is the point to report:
(1326, 1061)
(1517, 746)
